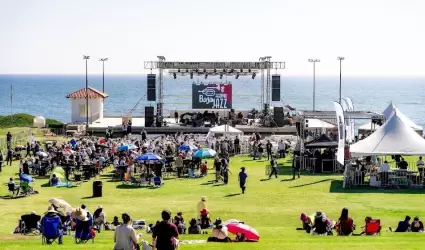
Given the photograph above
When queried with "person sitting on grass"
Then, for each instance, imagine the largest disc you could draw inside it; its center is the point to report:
(417, 225)
(219, 232)
(54, 181)
(204, 169)
(125, 236)
(306, 223)
(403, 226)
(194, 227)
(322, 225)
(345, 225)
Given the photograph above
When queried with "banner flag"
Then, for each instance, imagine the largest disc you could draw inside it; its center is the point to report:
(341, 132)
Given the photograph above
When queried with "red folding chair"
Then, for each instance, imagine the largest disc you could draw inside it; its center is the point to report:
(373, 227)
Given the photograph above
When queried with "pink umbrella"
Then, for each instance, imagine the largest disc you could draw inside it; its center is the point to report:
(249, 232)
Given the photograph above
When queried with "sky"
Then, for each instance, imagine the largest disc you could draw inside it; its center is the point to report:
(376, 37)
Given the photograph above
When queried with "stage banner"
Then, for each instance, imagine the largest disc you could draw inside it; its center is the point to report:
(351, 108)
(212, 96)
(348, 136)
(341, 132)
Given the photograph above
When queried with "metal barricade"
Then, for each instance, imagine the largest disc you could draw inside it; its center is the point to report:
(392, 179)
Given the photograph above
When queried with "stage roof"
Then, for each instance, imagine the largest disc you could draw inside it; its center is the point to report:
(331, 114)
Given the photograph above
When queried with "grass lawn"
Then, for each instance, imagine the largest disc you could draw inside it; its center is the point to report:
(271, 206)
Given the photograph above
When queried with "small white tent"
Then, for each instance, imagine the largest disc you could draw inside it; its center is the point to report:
(394, 137)
(225, 129)
(317, 123)
(387, 113)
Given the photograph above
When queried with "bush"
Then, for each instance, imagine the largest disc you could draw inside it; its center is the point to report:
(25, 120)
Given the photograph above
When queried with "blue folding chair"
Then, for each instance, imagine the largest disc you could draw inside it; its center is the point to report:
(51, 230)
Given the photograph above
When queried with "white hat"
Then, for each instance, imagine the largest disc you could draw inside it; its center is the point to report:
(100, 206)
(203, 198)
(50, 209)
(33, 212)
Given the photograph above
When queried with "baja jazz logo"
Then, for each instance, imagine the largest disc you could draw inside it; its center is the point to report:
(209, 96)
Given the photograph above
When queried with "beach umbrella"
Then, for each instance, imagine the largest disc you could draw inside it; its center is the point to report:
(131, 146)
(187, 147)
(127, 147)
(40, 153)
(61, 204)
(149, 157)
(249, 232)
(26, 178)
(204, 153)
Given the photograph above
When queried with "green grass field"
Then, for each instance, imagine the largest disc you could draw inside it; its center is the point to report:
(271, 206)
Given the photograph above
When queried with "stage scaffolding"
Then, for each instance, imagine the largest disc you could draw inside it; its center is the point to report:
(263, 67)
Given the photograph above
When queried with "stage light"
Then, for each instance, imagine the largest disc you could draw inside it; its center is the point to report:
(191, 75)
(175, 75)
(253, 75)
(221, 76)
(206, 75)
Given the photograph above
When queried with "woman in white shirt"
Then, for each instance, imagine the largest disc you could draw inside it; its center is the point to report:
(125, 237)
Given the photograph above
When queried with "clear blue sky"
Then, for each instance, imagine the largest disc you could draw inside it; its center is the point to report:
(377, 37)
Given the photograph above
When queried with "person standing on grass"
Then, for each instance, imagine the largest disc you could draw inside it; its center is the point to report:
(242, 179)
(269, 147)
(9, 156)
(273, 165)
(1, 159)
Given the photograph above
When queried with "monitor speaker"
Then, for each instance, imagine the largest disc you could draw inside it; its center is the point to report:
(149, 116)
(276, 88)
(151, 88)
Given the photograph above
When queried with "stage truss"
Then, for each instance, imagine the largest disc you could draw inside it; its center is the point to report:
(262, 67)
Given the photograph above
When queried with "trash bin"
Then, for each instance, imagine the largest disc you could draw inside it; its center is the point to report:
(97, 189)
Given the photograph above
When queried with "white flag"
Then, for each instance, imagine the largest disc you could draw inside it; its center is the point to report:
(341, 132)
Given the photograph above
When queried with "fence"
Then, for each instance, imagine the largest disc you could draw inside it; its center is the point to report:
(314, 165)
(19, 138)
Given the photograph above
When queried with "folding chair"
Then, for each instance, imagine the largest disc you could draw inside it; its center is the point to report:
(30, 224)
(84, 231)
(373, 227)
(13, 190)
(51, 230)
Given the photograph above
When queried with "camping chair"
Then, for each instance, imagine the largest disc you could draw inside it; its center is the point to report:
(25, 188)
(84, 231)
(30, 224)
(144, 245)
(51, 230)
(373, 227)
(13, 190)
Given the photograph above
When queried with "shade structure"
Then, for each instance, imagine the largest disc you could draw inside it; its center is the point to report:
(187, 147)
(387, 113)
(225, 129)
(249, 232)
(322, 141)
(61, 204)
(26, 178)
(205, 153)
(149, 157)
(317, 123)
(394, 137)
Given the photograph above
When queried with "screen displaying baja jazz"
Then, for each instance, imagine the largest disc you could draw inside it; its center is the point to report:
(212, 96)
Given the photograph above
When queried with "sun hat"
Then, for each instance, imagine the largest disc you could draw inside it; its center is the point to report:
(50, 209)
(79, 214)
(33, 212)
(204, 198)
(99, 207)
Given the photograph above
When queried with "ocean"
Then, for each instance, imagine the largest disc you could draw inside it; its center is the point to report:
(45, 94)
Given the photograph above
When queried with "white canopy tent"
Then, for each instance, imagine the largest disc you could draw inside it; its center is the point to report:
(225, 129)
(387, 113)
(394, 137)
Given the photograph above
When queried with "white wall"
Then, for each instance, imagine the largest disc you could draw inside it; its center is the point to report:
(95, 109)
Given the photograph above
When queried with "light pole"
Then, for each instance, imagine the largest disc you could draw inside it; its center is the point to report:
(314, 61)
(340, 58)
(103, 60)
(87, 95)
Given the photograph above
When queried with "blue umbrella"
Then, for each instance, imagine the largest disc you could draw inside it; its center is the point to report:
(205, 153)
(127, 147)
(149, 157)
(187, 147)
(26, 178)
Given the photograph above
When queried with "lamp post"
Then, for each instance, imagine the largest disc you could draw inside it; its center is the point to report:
(87, 95)
(314, 61)
(340, 58)
(103, 60)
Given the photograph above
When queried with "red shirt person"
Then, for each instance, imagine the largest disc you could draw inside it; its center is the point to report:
(165, 234)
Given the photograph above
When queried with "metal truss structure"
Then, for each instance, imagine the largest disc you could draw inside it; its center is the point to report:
(263, 66)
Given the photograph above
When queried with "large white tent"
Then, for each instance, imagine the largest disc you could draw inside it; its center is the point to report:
(387, 113)
(225, 129)
(394, 137)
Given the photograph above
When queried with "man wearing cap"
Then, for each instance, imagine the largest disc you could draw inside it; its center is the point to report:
(242, 179)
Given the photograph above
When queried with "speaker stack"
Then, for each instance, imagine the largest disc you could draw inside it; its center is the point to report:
(151, 88)
(149, 116)
(278, 116)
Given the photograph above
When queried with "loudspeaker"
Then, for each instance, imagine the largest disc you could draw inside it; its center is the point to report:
(149, 116)
(278, 116)
(151, 87)
(275, 88)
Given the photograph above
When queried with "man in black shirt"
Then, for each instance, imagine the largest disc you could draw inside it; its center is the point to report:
(9, 156)
(217, 166)
(9, 139)
(165, 234)
(403, 164)
(273, 165)
(269, 149)
(237, 147)
(1, 159)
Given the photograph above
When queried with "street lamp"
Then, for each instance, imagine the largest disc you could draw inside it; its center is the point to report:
(87, 95)
(314, 61)
(103, 60)
(340, 58)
